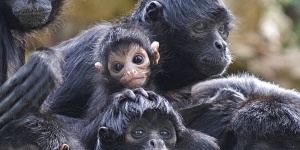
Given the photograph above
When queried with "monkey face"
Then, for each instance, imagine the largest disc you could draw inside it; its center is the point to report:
(131, 66)
(153, 134)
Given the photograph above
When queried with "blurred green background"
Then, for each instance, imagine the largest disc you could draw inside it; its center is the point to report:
(265, 41)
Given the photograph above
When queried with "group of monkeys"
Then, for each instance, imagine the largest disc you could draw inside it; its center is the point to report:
(151, 80)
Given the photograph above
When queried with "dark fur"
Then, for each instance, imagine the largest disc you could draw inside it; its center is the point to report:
(12, 31)
(246, 113)
(186, 57)
(119, 33)
(32, 132)
(119, 113)
(37, 78)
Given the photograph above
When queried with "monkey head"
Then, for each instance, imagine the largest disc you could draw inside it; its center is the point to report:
(147, 124)
(129, 59)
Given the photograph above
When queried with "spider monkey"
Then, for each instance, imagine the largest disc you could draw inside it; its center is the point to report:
(33, 82)
(126, 57)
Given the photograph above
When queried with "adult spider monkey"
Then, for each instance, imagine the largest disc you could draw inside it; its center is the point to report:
(43, 69)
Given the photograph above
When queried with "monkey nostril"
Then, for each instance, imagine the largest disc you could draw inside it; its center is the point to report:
(152, 143)
(218, 45)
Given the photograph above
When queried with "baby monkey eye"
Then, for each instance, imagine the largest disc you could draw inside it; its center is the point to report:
(138, 134)
(138, 59)
(165, 134)
(199, 27)
(117, 67)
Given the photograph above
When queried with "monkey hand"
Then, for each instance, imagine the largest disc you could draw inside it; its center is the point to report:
(227, 95)
(31, 84)
(128, 95)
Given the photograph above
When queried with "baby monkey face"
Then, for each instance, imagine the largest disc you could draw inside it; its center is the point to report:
(130, 66)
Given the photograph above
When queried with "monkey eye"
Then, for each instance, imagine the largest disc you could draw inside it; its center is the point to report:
(222, 29)
(138, 59)
(199, 27)
(117, 67)
(139, 133)
(165, 134)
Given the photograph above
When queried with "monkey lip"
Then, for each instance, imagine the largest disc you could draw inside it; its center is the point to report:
(222, 61)
(135, 82)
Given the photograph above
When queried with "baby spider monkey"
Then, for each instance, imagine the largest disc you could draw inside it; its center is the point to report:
(128, 57)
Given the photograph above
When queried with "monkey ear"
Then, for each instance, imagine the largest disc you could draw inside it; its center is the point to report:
(106, 133)
(99, 66)
(102, 132)
(64, 147)
(153, 11)
(155, 46)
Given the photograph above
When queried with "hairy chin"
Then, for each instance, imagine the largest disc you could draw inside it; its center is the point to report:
(34, 19)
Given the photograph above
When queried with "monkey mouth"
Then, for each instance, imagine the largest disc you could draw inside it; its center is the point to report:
(222, 61)
(135, 82)
(33, 17)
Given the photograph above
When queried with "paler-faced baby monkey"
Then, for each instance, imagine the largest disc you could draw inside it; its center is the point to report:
(129, 57)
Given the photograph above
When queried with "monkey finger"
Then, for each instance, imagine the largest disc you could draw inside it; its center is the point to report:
(102, 129)
(126, 94)
(141, 91)
(17, 78)
(19, 90)
(37, 99)
(23, 102)
(152, 96)
(228, 94)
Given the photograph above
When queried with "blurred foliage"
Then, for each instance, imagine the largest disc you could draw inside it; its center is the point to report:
(265, 42)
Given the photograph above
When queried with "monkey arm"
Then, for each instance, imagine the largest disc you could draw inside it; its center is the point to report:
(30, 85)
(243, 108)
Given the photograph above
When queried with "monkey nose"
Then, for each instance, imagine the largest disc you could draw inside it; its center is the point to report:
(131, 72)
(134, 71)
(220, 45)
(153, 143)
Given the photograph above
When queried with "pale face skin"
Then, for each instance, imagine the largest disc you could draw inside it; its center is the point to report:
(131, 66)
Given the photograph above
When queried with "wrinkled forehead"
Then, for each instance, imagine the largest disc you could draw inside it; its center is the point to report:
(123, 50)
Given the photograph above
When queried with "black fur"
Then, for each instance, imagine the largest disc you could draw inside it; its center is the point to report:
(119, 33)
(32, 132)
(120, 112)
(38, 77)
(246, 113)
(190, 53)
(13, 29)
(186, 57)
